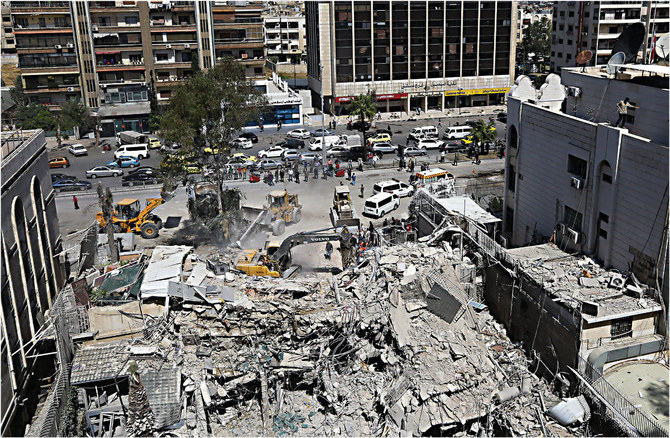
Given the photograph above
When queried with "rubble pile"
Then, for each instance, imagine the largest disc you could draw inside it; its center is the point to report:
(285, 358)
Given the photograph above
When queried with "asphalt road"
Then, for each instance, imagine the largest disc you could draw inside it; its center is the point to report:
(98, 157)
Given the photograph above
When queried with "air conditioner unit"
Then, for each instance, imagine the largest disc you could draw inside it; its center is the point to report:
(70, 88)
(95, 28)
(574, 91)
(187, 46)
(168, 46)
(577, 183)
(561, 227)
(58, 46)
(70, 45)
(103, 86)
(575, 236)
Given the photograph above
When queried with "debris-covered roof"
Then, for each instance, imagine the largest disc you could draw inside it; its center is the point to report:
(164, 266)
(96, 362)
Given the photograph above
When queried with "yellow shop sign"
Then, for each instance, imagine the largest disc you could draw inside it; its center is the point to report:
(477, 91)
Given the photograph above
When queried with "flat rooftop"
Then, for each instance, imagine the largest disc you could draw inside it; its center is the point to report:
(562, 276)
(651, 75)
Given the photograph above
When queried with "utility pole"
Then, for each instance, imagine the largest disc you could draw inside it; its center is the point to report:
(323, 121)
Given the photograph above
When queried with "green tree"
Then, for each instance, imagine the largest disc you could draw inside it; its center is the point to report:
(35, 116)
(363, 106)
(74, 113)
(208, 111)
(17, 94)
(536, 40)
(483, 132)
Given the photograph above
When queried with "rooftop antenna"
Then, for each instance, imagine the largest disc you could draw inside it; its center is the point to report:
(612, 68)
(629, 42)
(663, 46)
(583, 58)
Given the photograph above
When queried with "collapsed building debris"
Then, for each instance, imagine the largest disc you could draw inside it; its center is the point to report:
(283, 357)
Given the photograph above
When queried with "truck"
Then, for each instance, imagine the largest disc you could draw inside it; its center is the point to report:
(316, 144)
(342, 212)
(349, 140)
(275, 258)
(281, 208)
(131, 137)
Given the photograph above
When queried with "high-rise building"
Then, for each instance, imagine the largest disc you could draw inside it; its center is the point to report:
(6, 32)
(31, 274)
(114, 54)
(595, 25)
(428, 55)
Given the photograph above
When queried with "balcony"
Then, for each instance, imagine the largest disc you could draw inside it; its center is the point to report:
(233, 43)
(50, 69)
(111, 6)
(118, 27)
(46, 6)
(173, 28)
(120, 66)
(63, 88)
(172, 64)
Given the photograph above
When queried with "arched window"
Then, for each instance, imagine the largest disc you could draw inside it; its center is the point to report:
(26, 295)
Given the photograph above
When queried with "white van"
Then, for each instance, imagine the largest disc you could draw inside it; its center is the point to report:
(393, 186)
(380, 204)
(316, 144)
(423, 132)
(349, 140)
(456, 132)
(138, 151)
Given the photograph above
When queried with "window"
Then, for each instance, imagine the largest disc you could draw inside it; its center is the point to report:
(560, 41)
(562, 13)
(553, 26)
(161, 57)
(561, 27)
(572, 218)
(587, 14)
(577, 166)
(571, 14)
(602, 217)
(553, 53)
(622, 328)
(132, 19)
(560, 54)
(607, 178)
(569, 42)
(511, 179)
(568, 57)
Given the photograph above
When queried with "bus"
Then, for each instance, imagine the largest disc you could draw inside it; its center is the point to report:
(430, 176)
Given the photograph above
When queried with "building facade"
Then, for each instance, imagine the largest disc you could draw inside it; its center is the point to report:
(430, 55)
(285, 38)
(595, 25)
(7, 32)
(596, 188)
(114, 55)
(31, 272)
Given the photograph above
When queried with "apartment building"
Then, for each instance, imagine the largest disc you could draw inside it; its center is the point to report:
(285, 37)
(598, 189)
(430, 55)
(31, 274)
(115, 54)
(6, 32)
(595, 25)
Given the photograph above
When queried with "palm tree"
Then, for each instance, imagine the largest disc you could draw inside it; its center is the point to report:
(482, 132)
(363, 106)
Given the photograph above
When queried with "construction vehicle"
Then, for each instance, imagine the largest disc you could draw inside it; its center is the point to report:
(128, 217)
(342, 212)
(275, 258)
(280, 209)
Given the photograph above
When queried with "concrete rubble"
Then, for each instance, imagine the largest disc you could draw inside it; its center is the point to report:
(282, 357)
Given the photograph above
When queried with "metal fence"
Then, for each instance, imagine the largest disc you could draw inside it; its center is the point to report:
(624, 409)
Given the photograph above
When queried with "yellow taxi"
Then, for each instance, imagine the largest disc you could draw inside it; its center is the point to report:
(379, 138)
(58, 162)
(154, 143)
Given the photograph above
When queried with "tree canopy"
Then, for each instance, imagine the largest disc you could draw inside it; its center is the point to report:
(35, 116)
(365, 107)
(536, 39)
(482, 132)
(74, 113)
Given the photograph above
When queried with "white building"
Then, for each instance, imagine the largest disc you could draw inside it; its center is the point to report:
(601, 24)
(602, 190)
(284, 103)
(285, 37)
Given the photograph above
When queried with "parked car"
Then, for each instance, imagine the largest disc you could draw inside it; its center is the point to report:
(502, 117)
(292, 143)
(103, 171)
(320, 132)
(56, 176)
(337, 151)
(250, 136)
(379, 138)
(290, 155)
(358, 125)
(242, 143)
(453, 146)
(143, 175)
(141, 169)
(384, 148)
(412, 151)
(356, 152)
(64, 185)
(124, 162)
(429, 143)
(271, 152)
(299, 133)
(309, 157)
(380, 204)
(57, 162)
(240, 158)
(77, 149)
(268, 164)
(154, 143)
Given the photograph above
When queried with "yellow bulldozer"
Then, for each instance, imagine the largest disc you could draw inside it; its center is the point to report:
(128, 217)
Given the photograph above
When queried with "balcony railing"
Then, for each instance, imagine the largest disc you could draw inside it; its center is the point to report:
(46, 26)
(38, 4)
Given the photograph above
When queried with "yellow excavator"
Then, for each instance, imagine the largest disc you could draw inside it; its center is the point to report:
(128, 217)
(275, 258)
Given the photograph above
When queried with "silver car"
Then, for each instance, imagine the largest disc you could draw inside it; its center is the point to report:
(290, 155)
(413, 151)
(77, 149)
(337, 151)
(309, 157)
(103, 171)
(384, 148)
(268, 164)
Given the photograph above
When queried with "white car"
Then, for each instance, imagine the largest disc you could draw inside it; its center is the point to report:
(242, 143)
(272, 152)
(77, 150)
(393, 186)
(430, 143)
(299, 133)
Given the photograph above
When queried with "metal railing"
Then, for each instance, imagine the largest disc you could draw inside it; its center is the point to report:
(626, 410)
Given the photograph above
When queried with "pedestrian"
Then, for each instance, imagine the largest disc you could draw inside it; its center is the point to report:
(353, 180)
(389, 128)
(348, 174)
(329, 250)
(375, 158)
(407, 141)
(76, 202)
(360, 164)
(316, 172)
(456, 157)
(290, 174)
(386, 223)
(439, 125)
(296, 176)
(278, 125)
(261, 127)
(362, 195)
(349, 125)
(306, 174)
(622, 109)
(337, 164)
(476, 159)
(442, 155)
(276, 175)
(281, 174)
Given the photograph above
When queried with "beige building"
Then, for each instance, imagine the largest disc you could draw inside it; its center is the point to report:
(114, 54)
(429, 55)
(7, 33)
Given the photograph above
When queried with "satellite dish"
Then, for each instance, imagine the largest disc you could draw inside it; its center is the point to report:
(629, 41)
(663, 45)
(584, 57)
(617, 58)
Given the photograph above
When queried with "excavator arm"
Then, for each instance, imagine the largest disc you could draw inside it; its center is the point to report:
(324, 235)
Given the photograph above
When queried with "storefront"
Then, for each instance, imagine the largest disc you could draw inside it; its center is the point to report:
(475, 97)
(281, 107)
(391, 102)
(124, 117)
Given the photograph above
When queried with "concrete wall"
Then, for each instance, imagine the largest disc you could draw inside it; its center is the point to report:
(598, 334)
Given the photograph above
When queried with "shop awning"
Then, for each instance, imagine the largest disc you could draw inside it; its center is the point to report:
(125, 109)
(112, 52)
